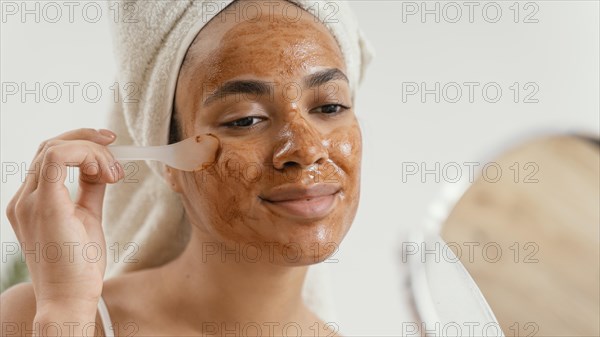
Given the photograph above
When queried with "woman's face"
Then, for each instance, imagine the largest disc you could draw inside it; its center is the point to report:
(285, 185)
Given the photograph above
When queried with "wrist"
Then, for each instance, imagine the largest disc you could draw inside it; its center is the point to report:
(59, 324)
(63, 321)
(67, 309)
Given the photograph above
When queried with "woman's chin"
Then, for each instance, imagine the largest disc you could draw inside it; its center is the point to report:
(293, 250)
(304, 250)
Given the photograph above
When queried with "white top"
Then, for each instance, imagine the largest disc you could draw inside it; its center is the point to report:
(105, 318)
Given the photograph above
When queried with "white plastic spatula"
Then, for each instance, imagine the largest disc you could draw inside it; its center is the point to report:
(446, 298)
(187, 155)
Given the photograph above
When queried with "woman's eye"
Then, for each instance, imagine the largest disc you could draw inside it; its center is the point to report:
(331, 109)
(244, 122)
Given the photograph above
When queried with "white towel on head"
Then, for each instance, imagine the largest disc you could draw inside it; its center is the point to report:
(144, 220)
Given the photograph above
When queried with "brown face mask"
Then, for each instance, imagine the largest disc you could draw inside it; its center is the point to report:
(286, 182)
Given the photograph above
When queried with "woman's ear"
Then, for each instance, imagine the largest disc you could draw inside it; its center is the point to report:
(172, 177)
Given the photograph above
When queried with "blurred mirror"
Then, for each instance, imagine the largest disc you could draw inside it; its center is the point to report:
(527, 231)
(446, 300)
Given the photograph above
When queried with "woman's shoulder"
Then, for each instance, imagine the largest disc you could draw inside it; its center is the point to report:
(18, 309)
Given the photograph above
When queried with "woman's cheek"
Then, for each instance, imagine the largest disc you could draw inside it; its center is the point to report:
(228, 189)
(345, 149)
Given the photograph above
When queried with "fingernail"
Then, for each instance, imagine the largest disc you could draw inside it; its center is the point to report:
(107, 133)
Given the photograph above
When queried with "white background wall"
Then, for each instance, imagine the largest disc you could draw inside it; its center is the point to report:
(559, 54)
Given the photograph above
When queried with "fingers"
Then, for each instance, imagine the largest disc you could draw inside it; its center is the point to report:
(101, 137)
(95, 162)
(91, 194)
(84, 148)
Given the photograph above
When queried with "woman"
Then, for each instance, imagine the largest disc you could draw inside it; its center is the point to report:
(279, 96)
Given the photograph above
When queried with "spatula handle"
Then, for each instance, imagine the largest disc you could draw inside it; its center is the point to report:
(126, 152)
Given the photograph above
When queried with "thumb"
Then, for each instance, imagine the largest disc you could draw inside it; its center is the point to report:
(91, 191)
(91, 197)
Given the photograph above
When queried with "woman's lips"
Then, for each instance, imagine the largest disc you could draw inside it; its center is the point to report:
(303, 202)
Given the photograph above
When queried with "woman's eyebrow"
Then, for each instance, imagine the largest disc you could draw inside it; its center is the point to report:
(260, 88)
(253, 87)
(323, 76)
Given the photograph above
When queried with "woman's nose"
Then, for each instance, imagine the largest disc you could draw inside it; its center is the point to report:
(300, 145)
